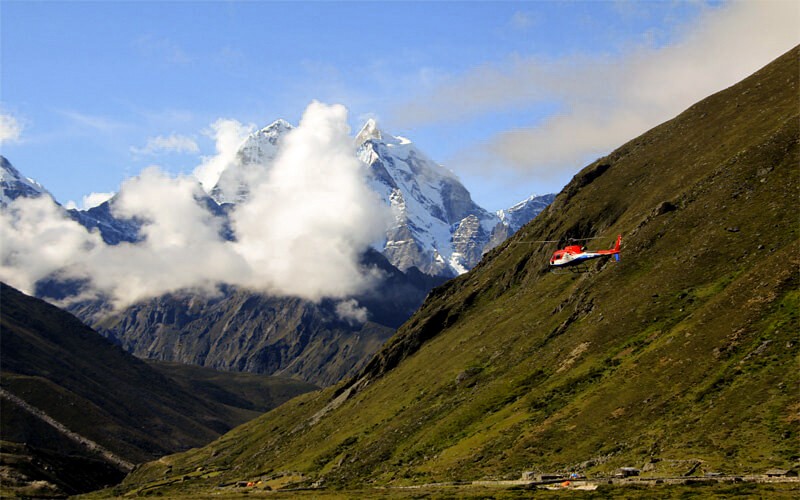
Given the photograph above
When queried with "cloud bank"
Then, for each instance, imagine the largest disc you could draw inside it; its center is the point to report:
(301, 233)
(606, 101)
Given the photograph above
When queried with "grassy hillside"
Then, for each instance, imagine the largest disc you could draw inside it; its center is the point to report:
(682, 358)
(86, 410)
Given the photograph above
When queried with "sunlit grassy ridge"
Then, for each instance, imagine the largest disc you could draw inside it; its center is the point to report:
(685, 352)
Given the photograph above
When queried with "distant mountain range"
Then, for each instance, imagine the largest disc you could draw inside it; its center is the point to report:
(437, 232)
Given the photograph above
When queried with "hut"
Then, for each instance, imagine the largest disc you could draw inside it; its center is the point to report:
(626, 472)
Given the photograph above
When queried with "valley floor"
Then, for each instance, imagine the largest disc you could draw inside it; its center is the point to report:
(683, 487)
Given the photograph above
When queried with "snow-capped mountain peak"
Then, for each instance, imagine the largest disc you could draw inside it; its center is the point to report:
(369, 131)
(14, 185)
(519, 214)
(257, 152)
(437, 227)
(263, 144)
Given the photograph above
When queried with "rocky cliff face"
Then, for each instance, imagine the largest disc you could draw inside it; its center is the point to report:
(243, 331)
(525, 211)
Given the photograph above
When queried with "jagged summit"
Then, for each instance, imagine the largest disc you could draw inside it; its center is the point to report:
(280, 123)
(257, 152)
(263, 144)
(14, 185)
(369, 131)
(522, 212)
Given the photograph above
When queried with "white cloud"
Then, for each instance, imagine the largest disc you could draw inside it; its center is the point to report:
(10, 128)
(350, 311)
(229, 136)
(92, 200)
(38, 240)
(182, 246)
(301, 233)
(522, 20)
(313, 210)
(172, 143)
(93, 123)
(605, 101)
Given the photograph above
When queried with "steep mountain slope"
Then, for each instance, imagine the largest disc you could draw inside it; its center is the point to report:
(67, 392)
(284, 336)
(114, 230)
(680, 359)
(248, 391)
(259, 150)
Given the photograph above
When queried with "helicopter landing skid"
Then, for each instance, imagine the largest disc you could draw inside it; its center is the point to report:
(580, 269)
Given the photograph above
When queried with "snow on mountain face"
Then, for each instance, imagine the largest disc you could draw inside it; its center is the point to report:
(437, 227)
(14, 185)
(524, 211)
(258, 150)
(113, 230)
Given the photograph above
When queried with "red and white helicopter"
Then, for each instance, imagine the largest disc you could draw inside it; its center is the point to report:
(574, 255)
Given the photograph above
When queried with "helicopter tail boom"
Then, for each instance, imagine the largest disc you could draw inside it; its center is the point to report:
(613, 251)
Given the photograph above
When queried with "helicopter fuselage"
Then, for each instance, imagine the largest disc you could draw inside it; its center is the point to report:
(575, 254)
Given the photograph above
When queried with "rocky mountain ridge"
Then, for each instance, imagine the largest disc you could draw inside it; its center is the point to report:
(14, 185)
(240, 330)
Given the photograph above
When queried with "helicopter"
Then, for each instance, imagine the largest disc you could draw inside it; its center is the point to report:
(573, 255)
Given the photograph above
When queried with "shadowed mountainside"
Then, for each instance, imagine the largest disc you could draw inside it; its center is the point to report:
(240, 330)
(87, 411)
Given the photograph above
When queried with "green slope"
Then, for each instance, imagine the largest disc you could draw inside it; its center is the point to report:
(682, 357)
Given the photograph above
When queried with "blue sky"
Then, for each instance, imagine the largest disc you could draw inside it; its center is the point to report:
(515, 97)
